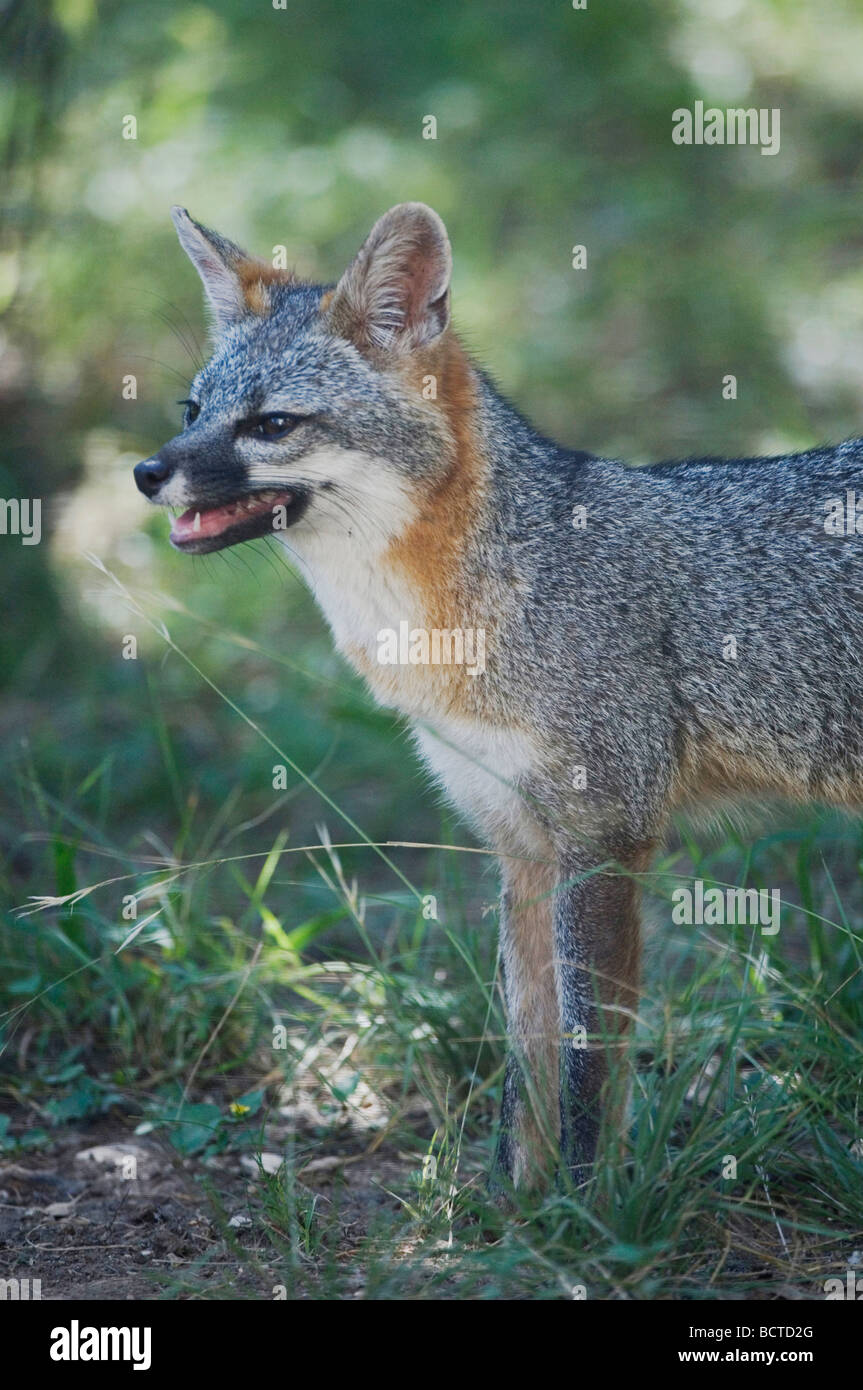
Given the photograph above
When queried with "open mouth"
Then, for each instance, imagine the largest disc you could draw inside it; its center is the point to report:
(202, 529)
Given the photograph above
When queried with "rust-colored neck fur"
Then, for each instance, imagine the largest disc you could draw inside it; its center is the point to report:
(431, 552)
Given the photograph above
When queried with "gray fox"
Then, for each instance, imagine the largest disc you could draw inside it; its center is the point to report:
(580, 645)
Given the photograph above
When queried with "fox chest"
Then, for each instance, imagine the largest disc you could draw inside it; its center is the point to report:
(484, 771)
(439, 681)
(379, 624)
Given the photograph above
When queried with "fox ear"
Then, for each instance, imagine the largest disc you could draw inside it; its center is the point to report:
(394, 296)
(235, 284)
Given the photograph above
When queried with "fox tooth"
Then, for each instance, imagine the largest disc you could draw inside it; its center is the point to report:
(197, 522)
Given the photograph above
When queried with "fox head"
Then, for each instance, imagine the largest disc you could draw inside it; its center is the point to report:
(321, 408)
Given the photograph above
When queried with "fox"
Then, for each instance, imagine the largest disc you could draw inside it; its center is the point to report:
(653, 637)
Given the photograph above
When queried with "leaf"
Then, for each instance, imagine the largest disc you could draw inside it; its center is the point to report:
(29, 984)
(195, 1128)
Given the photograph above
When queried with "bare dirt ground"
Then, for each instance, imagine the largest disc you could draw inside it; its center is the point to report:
(105, 1214)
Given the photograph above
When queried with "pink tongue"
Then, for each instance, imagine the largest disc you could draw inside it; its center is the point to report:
(210, 524)
(213, 520)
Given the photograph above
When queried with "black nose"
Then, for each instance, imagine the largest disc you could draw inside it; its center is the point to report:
(151, 474)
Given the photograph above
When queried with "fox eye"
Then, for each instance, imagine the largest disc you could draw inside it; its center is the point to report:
(273, 426)
(191, 412)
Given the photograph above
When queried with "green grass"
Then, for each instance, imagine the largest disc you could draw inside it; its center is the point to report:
(282, 949)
